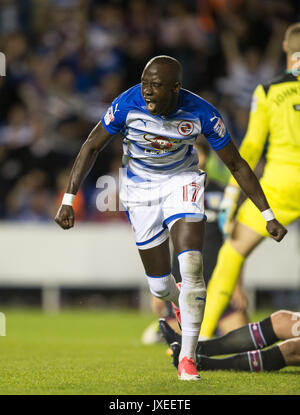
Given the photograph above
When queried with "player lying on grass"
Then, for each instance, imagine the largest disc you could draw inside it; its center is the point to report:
(162, 188)
(247, 342)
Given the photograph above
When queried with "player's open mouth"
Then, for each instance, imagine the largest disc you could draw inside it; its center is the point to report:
(151, 105)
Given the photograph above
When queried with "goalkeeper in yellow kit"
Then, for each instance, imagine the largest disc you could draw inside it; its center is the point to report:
(275, 114)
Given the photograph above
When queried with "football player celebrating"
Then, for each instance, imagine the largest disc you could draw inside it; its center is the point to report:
(162, 187)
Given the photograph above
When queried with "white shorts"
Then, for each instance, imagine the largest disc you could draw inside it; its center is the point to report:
(154, 206)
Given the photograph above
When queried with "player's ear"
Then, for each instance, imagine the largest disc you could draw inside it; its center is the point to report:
(177, 86)
(285, 46)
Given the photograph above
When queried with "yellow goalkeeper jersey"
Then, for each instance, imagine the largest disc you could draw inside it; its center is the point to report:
(275, 115)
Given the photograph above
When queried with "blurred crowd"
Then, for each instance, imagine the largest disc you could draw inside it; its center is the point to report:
(66, 60)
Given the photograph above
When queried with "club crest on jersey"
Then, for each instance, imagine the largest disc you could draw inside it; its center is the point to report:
(159, 142)
(109, 116)
(219, 126)
(185, 128)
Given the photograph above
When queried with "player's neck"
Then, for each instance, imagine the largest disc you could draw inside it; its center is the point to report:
(172, 106)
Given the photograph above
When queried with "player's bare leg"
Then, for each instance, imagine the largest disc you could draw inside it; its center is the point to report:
(244, 239)
(160, 308)
(187, 240)
(156, 260)
(157, 265)
(286, 324)
(290, 350)
(232, 321)
(231, 258)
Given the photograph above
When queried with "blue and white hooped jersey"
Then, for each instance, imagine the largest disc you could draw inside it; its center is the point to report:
(163, 144)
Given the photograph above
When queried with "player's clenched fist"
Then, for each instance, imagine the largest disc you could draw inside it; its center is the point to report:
(65, 217)
(276, 230)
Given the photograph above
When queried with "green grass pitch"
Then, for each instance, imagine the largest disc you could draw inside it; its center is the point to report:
(99, 353)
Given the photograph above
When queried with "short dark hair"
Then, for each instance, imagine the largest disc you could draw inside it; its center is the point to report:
(168, 60)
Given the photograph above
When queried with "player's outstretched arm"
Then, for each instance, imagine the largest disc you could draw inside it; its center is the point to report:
(250, 185)
(96, 141)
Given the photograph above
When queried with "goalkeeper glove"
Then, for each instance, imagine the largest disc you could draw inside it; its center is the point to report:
(227, 208)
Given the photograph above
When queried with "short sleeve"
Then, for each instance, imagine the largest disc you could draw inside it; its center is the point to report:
(115, 117)
(214, 129)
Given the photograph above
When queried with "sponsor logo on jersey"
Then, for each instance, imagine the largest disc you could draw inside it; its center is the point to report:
(185, 128)
(219, 126)
(109, 116)
(159, 142)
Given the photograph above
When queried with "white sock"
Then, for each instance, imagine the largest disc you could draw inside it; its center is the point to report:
(164, 287)
(191, 300)
(188, 346)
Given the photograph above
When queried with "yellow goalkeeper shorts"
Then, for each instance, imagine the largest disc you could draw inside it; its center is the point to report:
(280, 202)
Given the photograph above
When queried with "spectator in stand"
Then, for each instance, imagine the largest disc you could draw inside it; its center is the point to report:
(245, 71)
(30, 198)
(19, 131)
(139, 50)
(106, 36)
(101, 95)
(182, 37)
(63, 100)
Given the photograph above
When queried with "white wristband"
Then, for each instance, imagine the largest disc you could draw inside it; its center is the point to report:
(68, 199)
(268, 214)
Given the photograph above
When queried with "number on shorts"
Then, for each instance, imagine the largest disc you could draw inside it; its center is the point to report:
(185, 194)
